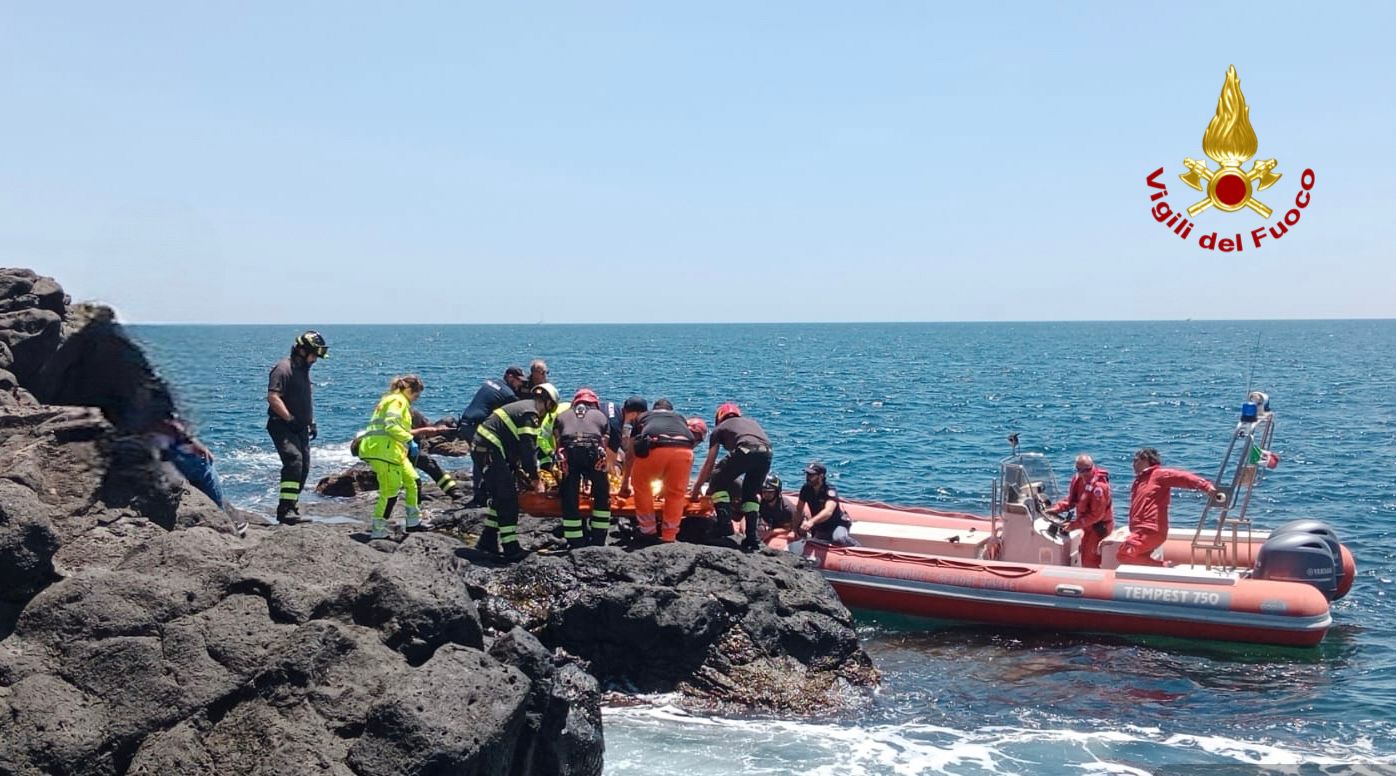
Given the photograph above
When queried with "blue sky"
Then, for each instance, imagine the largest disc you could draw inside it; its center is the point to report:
(327, 162)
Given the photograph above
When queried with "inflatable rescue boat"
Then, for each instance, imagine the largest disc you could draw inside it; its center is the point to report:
(1224, 579)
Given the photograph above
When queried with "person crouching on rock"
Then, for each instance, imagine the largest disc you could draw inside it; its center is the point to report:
(385, 444)
(505, 441)
(421, 427)
(748, 457)
(581, 433)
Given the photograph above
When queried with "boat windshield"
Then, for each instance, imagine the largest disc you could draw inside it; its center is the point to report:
(1026, 473)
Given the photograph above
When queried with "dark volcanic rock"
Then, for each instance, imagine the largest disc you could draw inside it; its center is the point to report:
(724, 627)
(459, 714)
(291, 651)
(350, 482)
(359, 479)
(561, 735)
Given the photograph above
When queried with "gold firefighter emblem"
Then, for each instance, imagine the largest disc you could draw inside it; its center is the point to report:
(1230, 141)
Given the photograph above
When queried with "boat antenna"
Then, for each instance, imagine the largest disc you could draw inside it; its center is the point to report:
(1250, 370)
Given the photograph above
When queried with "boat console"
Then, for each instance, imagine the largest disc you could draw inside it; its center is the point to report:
(1026, 487)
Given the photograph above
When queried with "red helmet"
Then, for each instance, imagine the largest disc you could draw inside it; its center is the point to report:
(586, 396)
(699, 428)
(727, 410)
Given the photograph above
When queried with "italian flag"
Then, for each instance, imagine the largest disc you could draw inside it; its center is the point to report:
(1259, 456)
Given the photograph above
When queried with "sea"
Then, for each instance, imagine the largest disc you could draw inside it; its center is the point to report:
(920, 414)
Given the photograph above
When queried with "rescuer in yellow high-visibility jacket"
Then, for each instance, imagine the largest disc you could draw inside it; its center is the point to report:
(384, 445)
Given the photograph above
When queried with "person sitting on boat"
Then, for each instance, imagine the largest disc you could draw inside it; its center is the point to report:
(1149, 498)
(491, 395)
(826, 519)
(663, 446)
(748, 457)
(581, 440)
(775, 511)
(1089, 495)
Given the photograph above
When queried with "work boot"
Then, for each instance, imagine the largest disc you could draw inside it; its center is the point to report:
(489, 541)
(643, 540)
(752, 524)
(416, 522)
(379, 529)
(513, 553)
(287, 513)
(598, 537)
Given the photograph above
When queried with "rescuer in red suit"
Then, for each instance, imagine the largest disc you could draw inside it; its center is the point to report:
(1149, 497)
(1089, 495)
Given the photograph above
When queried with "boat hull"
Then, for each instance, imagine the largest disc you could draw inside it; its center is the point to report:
(1177, 549)
(1132, 600)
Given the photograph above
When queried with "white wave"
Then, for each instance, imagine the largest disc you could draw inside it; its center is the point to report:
(686, 743)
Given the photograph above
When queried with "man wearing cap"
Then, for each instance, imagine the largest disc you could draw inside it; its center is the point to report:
(491, 395)
(825, 518)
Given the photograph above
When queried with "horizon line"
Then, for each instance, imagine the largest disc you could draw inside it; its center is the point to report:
(751, 323)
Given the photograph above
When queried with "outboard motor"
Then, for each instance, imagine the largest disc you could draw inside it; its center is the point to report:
(1320, 529)
(1298, 557)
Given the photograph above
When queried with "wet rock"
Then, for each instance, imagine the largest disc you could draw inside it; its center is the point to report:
(447, 446)
(359, 479)
(350, 482)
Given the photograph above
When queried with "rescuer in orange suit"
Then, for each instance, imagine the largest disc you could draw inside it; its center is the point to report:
(663, 446)
(1149, 497)
(1089, 495)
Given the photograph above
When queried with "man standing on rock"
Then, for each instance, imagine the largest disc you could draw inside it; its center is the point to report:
(748, 459)
(291, 419)
(505, 443)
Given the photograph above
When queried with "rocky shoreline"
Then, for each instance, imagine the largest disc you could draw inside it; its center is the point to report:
(141, 633)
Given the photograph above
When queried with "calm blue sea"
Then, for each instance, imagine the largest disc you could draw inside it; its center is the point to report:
(918, 413)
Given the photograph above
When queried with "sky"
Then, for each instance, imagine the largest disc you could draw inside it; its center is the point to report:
(335, 162)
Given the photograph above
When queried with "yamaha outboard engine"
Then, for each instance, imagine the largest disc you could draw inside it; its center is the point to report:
(1323, 531)
(1301, 556)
